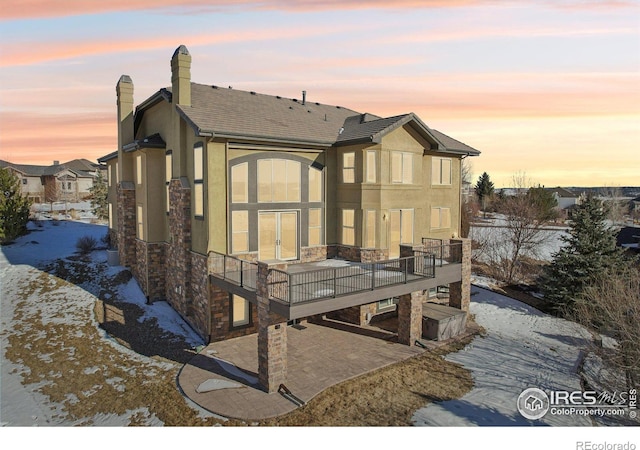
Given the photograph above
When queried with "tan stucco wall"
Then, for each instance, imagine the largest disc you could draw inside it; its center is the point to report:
(217, 196)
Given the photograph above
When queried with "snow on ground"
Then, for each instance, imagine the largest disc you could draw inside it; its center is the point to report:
(20, 265)
(522, 348)
(497, 233)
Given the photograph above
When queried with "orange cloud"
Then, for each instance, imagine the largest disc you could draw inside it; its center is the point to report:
(32, 138)
(29, 9)
(57, 50)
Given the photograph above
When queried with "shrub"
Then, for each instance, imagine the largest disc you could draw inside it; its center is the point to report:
(86, 244)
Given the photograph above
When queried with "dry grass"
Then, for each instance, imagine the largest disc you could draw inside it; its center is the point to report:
(86, 376)
(387, 396)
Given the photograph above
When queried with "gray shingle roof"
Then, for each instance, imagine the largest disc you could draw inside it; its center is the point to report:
(562, 192)
(153, 141)
(38, 171)
(230, 112)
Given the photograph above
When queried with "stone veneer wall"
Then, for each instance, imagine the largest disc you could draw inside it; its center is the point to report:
(410, 317)
(149, 268)
(198, 306)
(221, 328)
(460, 292)
(313, 254)
(126, 224)
(178, 277)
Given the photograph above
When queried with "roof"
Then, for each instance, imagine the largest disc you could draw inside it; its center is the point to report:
(232, 113)
(562, 192)
(39, 171)
(629, 237)
(153, 141)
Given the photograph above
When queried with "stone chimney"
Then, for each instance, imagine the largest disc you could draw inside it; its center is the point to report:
(124, 91)
(181, 76)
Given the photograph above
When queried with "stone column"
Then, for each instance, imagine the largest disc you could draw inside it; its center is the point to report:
(460, 292)
(410, 317)
(272, 336)
(126, 210)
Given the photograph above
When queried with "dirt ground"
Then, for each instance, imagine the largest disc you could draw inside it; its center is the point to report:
(85, 376)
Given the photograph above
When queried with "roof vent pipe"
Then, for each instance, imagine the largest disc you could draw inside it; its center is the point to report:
(304, 97)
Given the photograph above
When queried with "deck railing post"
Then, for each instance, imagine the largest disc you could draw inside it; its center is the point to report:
(290, 286)
(241, 273)
(373, 276)
(334, 283)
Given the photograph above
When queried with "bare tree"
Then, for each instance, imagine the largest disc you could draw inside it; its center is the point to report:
(523, 234)
(610, 305)
(617, 206)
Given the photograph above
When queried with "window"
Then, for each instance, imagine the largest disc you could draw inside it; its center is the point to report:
(239, 231)
(117, 174)
(278, 180)
(198, 175)
(110, 215)
(388, 304)
(348, 227)
(401, 167)
(139, 169)
(315, 185)
(315, 226)
(371, 166)
(140, 221)
(240, 183)
(69, 185)
(109, 176)
(370, 240)
(24, 181)
(441, 171)
(168, 173)
(400, 230)
(240, 311)
(440, 217)
(349, 167)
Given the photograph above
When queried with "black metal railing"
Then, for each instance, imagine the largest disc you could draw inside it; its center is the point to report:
(332, 282)
(443, 253)
(235, 270)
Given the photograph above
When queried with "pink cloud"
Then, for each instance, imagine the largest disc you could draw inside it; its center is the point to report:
(29, 9)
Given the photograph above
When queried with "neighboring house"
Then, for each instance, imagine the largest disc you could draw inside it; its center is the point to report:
(635, 204)
(565, 198)
(629, 238)
(248, 212)
(69, 181)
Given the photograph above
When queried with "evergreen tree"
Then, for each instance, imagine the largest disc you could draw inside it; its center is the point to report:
(99, 192)
(589, 251)
(484, 190)
(544, 202)
(14, 208)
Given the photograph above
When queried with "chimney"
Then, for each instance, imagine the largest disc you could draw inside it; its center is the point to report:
(181, 76)
(304, 97)
(124, 91)
(56, 163)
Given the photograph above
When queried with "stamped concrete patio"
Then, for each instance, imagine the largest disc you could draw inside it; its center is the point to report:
(319, 356)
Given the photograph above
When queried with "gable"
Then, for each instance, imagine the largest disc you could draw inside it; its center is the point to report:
(404, 139)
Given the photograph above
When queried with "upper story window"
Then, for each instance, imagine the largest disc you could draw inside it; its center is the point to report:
(24, 181)
(371, 166)
(315, 185)
(109, 176)
(198, 180)
(349, 167)
(278, 180)
(168, 173)
(240, 183)
(139, 169)
(401, 167)
(441, 171)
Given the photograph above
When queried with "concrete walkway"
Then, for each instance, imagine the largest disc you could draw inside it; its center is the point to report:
(319, 356)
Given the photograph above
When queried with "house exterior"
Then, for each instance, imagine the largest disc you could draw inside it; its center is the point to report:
(69, 181)
(247, 212)
(566, 199)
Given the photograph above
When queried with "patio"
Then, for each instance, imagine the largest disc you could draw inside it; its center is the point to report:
(319, 356)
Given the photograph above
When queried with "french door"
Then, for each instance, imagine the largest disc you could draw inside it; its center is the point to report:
(278, 235)
(400, 230)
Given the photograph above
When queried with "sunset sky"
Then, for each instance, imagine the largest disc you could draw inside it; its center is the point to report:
(549, 88)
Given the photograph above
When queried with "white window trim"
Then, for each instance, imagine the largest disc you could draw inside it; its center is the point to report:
(350, 168)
